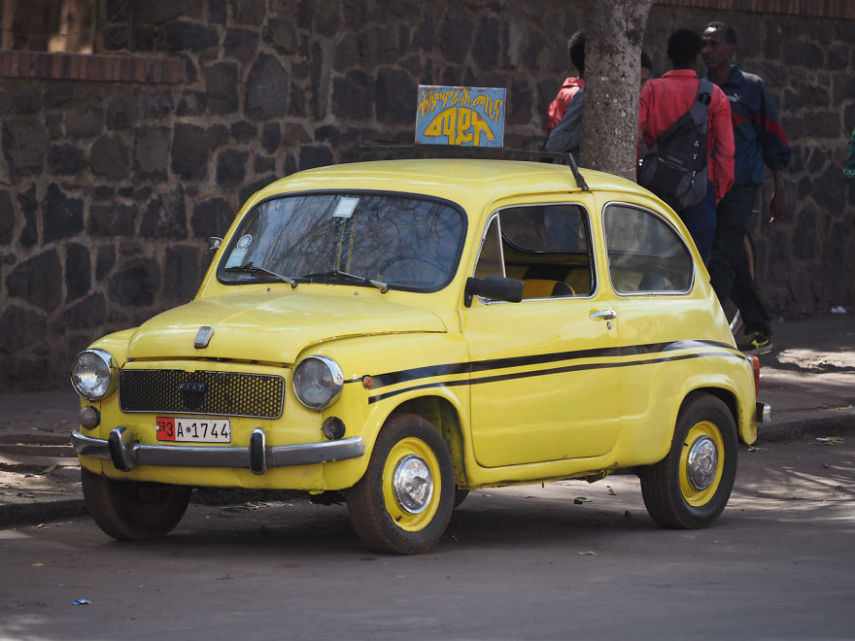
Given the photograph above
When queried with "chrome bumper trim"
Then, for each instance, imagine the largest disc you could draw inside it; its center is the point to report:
(125, 453)
(763, 412)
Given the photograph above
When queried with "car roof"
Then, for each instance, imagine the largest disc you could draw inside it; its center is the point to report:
(453, 178)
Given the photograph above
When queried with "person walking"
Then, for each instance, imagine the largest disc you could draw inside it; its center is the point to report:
(665, 100)
(759, 140)
(572, 84)
(564, 117)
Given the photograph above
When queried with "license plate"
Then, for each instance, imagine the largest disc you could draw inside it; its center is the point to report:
(194, 430)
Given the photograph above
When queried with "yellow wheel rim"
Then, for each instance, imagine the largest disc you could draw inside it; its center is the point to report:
(411, 484)
(701, 463)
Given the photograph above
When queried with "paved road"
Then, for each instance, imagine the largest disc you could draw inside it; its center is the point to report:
(518, 563)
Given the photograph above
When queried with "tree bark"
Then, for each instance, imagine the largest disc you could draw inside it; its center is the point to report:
(614, 34)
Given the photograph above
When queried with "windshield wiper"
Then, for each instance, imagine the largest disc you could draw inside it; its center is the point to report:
(255, 269)
(338, 274)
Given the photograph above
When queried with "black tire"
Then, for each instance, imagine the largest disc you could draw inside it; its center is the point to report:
(407, 443)
(673, 496)
(460, 496)
(130, 511)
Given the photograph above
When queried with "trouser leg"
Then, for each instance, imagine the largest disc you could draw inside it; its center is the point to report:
(728, 244)
(745, 297)
(730, 273)
(700, 220)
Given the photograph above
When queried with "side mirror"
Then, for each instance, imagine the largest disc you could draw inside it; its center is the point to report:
(494, 288)
(214, 243)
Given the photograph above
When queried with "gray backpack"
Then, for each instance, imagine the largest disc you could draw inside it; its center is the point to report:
(675, 167)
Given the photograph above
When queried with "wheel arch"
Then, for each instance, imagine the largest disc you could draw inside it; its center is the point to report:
(442, 414)
(725, 396)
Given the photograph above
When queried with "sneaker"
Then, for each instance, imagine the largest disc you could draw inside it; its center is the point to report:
(756, 343)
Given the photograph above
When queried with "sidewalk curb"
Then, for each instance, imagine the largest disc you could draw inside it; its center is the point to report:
(826, 425)
(18, 514)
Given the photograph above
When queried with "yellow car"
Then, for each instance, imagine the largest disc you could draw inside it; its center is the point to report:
(404, 331)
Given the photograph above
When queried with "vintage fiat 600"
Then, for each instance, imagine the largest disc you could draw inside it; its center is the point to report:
(404, 331)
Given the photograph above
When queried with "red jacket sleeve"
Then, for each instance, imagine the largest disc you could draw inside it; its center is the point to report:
(720, 144)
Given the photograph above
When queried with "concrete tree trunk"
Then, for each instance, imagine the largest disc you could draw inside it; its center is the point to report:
(615, 31)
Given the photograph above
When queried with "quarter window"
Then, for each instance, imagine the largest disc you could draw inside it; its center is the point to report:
(645, 253)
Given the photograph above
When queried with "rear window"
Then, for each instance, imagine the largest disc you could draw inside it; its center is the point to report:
(646, 254)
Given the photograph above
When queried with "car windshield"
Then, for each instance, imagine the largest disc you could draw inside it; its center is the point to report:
(385, 240)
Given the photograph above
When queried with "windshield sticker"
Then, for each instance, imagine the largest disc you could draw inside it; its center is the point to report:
(460, 116)
(238, 253)
(345, 207)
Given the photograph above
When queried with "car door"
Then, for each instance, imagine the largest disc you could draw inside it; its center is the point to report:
(544, 384)
(662, 312)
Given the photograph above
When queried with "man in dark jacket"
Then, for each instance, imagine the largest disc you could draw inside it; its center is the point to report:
(759, 140)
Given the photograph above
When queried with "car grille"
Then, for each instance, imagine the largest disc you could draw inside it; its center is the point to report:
(209, 393)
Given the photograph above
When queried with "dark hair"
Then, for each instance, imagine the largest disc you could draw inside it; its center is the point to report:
(576, 48)
(729, 33)
(646, 62)
(684, 45)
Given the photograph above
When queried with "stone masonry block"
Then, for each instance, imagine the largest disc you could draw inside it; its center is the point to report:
(266, 89)
(25, 144)
(37, 281)
(63, 215)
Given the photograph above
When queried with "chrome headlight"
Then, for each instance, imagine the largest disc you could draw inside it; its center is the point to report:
(317, 381)
(93, 374)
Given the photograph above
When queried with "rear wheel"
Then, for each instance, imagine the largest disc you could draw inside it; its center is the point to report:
(690, 487)
(131, 511)
(404, 501)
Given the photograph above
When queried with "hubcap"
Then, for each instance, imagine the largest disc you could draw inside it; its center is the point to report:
(702, 463)
(413, 484)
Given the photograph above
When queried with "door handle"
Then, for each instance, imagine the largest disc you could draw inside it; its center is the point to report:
(606, 314)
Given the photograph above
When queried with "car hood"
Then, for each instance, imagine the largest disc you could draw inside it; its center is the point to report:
(270, 328)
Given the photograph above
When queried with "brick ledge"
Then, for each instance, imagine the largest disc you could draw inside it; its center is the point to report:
(92, 67)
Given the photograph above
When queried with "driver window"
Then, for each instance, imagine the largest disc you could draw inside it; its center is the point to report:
(547, 247)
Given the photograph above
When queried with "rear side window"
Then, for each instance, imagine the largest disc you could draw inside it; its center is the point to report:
(646, 254)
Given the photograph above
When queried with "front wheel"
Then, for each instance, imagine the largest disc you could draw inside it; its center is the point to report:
(690, 487)
(404, 501)
(130, 511)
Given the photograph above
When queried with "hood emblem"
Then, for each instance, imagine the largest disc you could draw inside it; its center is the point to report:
(192, 394)
(203, 337)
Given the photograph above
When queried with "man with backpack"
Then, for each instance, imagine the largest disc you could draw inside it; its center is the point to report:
(686, 127)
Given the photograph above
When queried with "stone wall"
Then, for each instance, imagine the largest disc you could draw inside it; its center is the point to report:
(109, 189)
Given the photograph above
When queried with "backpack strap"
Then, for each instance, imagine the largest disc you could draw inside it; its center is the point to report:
(698, 112)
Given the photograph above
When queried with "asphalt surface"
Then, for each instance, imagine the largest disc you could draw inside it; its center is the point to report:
(808, 378)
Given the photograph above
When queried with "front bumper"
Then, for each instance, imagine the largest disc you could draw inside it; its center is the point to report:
(763, 412)
(122, 449)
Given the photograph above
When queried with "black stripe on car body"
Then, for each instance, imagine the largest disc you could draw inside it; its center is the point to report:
(474, 367)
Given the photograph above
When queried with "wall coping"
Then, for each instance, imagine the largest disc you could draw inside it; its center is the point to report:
(806, 8)
(132, 68)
